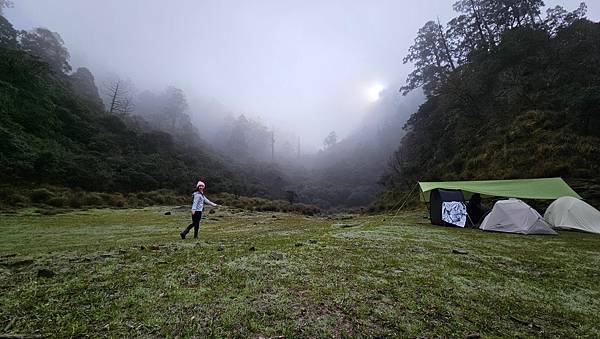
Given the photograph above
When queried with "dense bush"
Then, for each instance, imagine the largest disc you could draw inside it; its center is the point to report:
(58, 202)
(17, 200)
(93, 199)
(76, 200)
(41, 195)
(265, 205)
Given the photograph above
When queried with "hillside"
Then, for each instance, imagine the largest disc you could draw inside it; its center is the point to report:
(527, 107)
(54, 129)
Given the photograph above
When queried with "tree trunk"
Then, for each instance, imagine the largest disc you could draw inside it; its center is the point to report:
(445, 44)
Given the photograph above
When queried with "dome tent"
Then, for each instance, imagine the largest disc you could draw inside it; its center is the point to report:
(515, 216)
(572, 213)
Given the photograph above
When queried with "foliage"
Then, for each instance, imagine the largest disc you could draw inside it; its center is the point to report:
(54, 134)
(474, 34)
(48, 46)
(265, 205)
(8, 35)
(41, 195)
(528, 107)
(166, 111)
(244, 140)
(432, 59)
(84, 86)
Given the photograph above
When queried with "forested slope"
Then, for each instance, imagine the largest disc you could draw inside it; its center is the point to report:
(507, 97)
(54, 130)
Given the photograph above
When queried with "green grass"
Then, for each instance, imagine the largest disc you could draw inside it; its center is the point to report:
(126, 273)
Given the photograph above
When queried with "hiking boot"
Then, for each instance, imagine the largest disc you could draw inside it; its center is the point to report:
(182, 235)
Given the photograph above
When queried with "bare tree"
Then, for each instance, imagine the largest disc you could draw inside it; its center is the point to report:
(119, 96)
(127, 106)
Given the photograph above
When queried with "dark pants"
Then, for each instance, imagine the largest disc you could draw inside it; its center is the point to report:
(195, 224)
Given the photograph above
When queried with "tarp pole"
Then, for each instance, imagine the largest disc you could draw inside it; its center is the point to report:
(404, 203)
(407, 197)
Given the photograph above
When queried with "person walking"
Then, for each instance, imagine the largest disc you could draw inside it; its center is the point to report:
(197, 206)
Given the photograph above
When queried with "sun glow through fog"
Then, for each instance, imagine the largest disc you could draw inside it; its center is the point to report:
(374, 92)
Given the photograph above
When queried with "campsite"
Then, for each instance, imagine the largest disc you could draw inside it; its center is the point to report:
(299, 169)
(448, 207)
(292, 276)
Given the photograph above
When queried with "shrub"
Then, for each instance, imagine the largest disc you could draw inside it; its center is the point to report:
(76, 200)
(93, 199)
(41, 195)
(16, 199)
(305, 209)
(106, 198)
(133, 201)
(117, 200)
(58, 202)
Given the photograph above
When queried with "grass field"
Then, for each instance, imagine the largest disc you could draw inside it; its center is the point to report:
(126, 273)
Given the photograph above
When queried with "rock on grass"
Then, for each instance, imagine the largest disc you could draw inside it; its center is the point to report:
(45, 273)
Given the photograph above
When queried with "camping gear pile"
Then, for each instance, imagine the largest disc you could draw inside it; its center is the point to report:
(447, 206)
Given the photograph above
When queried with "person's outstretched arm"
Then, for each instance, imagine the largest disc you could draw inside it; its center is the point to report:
(206, 201)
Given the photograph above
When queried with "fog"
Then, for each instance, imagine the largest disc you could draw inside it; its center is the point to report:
(307, 67)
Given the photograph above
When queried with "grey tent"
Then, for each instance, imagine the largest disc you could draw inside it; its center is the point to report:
(572, 213)
(515, 216)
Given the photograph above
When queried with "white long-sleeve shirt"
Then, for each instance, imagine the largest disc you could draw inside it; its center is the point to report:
(199, 200)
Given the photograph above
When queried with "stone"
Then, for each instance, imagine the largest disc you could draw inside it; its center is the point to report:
(252, 249)
(45, 273)
(475, 335)
(221, 247)
(459, 251)
(299, 244)
(167, 213)
(312, 241)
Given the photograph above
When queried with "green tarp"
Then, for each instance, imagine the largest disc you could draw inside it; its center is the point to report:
(545, 188)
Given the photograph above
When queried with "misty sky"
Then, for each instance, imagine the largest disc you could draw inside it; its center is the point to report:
(301, 65)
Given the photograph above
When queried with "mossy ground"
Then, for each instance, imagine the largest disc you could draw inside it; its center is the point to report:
(126, 273)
